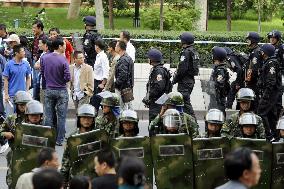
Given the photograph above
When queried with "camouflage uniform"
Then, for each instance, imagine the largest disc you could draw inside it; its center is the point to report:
(231, 127)
(111, 127)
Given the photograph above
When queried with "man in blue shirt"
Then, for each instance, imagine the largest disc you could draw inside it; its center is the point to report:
(17, 77)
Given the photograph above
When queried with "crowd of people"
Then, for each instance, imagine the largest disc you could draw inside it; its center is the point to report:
(96, 78)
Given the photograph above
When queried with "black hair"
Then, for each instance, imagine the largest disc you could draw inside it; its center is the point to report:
(132, 170)
(39, 24)
(121, 45)
(236, 162)
(57, 42)
(17, 48)
(135, 129)
(81, 182)
(107, 156)
(11, 32)
(47, 178)
(76, 53)
(112, 44)
(54, 29)
(100, 43)
(126, 35)
(45, 154)
(24, 40)
(3, 27)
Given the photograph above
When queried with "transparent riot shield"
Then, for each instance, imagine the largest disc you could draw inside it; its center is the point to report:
(208, 158)
(277, 181)
(263, 150)
(172, 160)
(208, 90)
(82, 148)
(77, 42)
(29, 139)
(135, 146)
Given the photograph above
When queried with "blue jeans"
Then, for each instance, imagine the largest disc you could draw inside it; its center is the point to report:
(36, 85)
(56, 101)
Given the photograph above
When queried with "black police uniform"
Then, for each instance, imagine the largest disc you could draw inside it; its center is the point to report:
(279, 54)
(270, 86)
(186, 70)
(220, 77)
(89, 39)
(158, 84)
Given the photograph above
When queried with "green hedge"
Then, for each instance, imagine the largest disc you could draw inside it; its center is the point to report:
(171, 50)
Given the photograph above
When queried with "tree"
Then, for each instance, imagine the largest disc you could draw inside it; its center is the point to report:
(229, 14)
(161, 15)
(99, 14)
(74, 9)
(110, 14)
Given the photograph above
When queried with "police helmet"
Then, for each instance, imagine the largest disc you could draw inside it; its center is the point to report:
(171, 118)
(268, 49)
(34, 107)
(253, 37)
(22, 97)
(274, 34)
(89, 20)
(175, 99)
(248, 119)
(113, 100)
(280, 123)
(245, 94)
(86, 110)
(186, 38)
(219, 53)
(228, 50)
(129, 115)
(215, 116)
(155, 55)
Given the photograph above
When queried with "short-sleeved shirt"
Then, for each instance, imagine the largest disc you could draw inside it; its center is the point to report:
(16, 74)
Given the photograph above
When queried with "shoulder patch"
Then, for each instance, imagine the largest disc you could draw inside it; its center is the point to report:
(254, 60)
(159, 77)
(219, 78)
(182, 58)
(272, 70)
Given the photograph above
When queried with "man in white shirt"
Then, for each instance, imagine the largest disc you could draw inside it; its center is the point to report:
(130, 49)
(101, 72)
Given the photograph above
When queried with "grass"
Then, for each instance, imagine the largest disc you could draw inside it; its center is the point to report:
(57, 16)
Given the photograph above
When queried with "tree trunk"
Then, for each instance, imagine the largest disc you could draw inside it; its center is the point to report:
(22, 6)
(74, 9)
(229, 15)
(99, 14)
(161, 15)
(110, 14)
(202, 23)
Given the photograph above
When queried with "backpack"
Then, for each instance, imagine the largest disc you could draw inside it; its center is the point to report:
(194, 64)
(169, 85)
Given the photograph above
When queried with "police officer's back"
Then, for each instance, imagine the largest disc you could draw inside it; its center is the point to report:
(89, 38)
(186, 70)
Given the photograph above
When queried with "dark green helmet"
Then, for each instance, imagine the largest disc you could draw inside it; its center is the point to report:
(175, 99)
(171, 118)
(22, 97)
(129, 115)
(111, 100)
(215, 116)
(34, 107)
(86, 110)
(248, 119)
(245, 94)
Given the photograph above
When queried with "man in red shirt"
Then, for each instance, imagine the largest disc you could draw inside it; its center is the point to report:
(53, 33)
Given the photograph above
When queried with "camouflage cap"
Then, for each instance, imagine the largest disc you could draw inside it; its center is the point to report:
(34, 107)
(245, 94)
(171, 118)
(175, 99)
(112, 100)
(86, 110)
(248, 119)
(129, 115)
(280, 123)
(215, 116)
(22, 97)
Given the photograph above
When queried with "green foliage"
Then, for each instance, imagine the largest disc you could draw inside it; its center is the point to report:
(182, 19)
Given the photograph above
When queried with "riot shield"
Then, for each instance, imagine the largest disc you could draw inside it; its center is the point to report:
(277, 181)
(136, 146)
(263, 150)
(172, 160)
(208, 158)
(77, 42)
(208, 91)
(82, 148)
(29, 139)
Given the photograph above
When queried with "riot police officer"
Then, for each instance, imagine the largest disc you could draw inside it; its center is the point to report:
(213, 123)
(245, 97)
(158, 83)
(174, 100)
(269, 83)
(220, 79)
(274, 38)
(186, 70)
(248, 124)
(34, 112)
(85, 123)
(111, 111)
(280, 129)
(91, 35)
(171, 122)
(128, 123)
